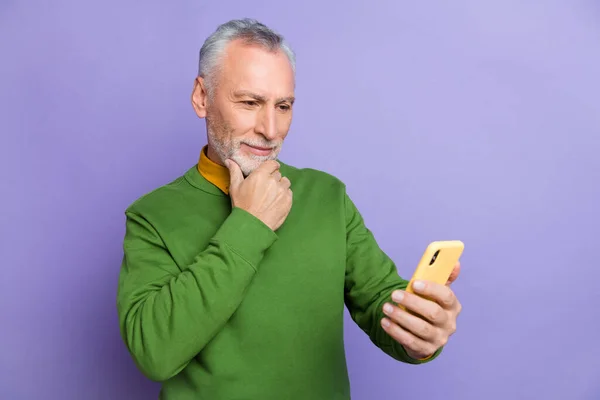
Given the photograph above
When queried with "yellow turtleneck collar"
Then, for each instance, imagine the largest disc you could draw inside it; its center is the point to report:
(216, 174)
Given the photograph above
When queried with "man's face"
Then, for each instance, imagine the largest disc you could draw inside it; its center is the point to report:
(250, 111)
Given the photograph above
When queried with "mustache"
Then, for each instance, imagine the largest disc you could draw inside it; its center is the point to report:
(261, 143)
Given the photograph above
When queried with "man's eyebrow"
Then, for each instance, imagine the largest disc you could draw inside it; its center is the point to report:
(290, 99)
(258, 97)
(247, 93)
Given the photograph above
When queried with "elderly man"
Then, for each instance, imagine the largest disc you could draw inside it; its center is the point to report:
(235, 275)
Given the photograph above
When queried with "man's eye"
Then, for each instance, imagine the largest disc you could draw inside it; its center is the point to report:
(249, 103)
(284, 107)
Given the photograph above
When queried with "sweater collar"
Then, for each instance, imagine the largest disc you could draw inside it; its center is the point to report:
(216, 174)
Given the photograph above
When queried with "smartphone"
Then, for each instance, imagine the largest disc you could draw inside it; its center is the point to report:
(437, 262)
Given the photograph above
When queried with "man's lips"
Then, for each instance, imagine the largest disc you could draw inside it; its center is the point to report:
(258, 150)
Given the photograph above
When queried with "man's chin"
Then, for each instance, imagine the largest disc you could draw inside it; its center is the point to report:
(248, 164)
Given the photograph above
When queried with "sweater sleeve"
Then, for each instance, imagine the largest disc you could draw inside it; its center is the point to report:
(167, 314)
(371, 277)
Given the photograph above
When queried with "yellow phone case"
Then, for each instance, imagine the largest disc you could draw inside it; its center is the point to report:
(437, 262)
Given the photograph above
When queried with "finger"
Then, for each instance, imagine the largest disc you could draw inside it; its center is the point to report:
(276, 175)
(454, 274)
(285, 183)
(236, 177)
(268, 166)
(286, 196)
(407, 339)
(415, 325)
(420, 306)
(441, 294)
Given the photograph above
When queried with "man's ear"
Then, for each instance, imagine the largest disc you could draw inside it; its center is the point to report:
(199, 97)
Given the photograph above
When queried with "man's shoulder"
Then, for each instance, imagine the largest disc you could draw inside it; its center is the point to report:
(161, 198)
(312, 176)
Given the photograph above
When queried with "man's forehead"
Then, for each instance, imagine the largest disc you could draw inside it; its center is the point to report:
(255, 59)
(258, 85)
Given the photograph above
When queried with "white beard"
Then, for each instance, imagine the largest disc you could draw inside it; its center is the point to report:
(231, 149)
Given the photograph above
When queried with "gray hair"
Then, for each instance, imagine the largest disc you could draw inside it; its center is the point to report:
(248, 30)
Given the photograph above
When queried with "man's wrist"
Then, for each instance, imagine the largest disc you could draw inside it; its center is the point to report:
(418, 356)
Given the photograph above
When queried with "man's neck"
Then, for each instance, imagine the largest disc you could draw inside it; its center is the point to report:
(213, 171)
(213, 156)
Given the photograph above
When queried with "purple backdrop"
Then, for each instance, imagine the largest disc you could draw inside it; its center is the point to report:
(476, 120)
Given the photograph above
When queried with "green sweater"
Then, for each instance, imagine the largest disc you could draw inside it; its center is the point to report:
(215, 305)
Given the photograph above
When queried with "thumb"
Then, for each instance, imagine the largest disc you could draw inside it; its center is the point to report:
(235, 174)
(454, 274)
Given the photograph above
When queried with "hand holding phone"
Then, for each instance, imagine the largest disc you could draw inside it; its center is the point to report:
(437, 263)
(423, 319)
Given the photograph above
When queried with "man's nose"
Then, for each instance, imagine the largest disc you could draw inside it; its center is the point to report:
(266, 124)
